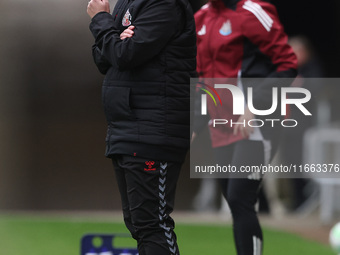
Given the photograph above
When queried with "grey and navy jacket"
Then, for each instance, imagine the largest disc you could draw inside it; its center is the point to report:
(146, 90)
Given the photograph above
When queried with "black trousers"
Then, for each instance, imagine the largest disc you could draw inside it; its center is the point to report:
(242, 193)
(147, 189)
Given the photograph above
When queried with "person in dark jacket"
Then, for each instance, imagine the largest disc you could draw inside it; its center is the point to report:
(147, 51)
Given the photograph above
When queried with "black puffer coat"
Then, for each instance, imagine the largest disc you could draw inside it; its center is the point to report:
(146, 91)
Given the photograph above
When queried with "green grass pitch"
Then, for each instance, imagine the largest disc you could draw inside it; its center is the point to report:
(24, 235)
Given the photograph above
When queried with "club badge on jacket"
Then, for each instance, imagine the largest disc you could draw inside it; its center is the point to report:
(127, 19)
(226, 28)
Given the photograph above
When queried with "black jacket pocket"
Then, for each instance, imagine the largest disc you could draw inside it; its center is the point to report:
(117, 104)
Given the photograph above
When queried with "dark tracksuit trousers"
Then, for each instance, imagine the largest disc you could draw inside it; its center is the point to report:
(147, 189)
(242, 193)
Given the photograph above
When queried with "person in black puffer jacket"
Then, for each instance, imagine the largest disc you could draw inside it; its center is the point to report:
(147, 51)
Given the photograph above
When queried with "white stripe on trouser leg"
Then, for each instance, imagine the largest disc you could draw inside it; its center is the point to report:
(257, 246)
(267, 146)
(162, 204)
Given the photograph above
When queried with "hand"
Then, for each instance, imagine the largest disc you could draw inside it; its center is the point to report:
(127, 33)
(246, 130)
(96, 6)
